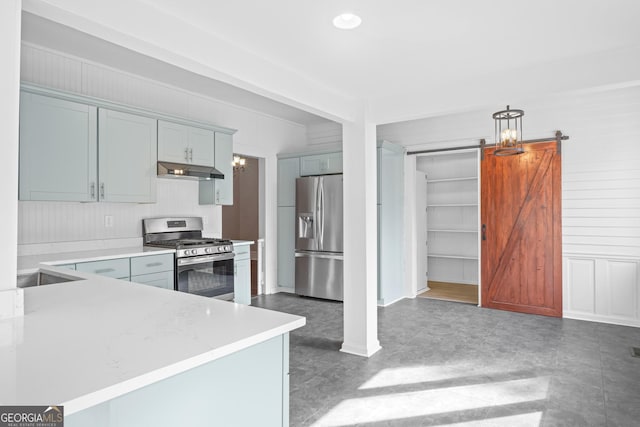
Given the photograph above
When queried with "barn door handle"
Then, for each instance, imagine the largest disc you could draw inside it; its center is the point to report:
(484, 232)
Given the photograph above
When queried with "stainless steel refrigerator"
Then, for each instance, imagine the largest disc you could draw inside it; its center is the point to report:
(318, 250)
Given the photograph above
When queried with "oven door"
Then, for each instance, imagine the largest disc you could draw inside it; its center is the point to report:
(206, 275)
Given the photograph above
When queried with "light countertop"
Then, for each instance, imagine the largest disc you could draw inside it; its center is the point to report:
(85, 342)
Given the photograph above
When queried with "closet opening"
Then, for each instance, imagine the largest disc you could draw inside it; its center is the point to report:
(448, 224)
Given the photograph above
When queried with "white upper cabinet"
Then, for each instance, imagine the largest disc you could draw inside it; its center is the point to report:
(220, 191)
(321, 164)
(179, 143)
(127, 157)
(58, 149)
(288, 171)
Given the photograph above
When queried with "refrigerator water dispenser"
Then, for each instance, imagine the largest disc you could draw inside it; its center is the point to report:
(305, 226)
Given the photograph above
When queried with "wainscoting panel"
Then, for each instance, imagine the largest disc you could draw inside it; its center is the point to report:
(602, 289)
(580, 288)
(622, 279)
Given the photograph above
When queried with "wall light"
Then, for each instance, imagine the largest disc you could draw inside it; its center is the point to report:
(238, 163)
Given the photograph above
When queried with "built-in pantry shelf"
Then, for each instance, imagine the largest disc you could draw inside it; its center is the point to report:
(451, 205)
(451, 256)
(466, 178)
(452, 220)
(450, 230)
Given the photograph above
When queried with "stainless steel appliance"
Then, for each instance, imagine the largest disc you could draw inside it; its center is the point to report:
(203, 266)
(318, 249)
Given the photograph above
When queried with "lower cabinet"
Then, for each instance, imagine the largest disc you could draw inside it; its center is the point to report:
(216, 393)
(242, 274)
(117, 268)
(159, 280)
(153, 270)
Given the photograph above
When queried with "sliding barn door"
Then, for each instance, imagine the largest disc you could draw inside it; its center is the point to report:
(521, 230)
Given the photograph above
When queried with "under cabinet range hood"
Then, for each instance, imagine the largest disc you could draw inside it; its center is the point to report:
(169, 169)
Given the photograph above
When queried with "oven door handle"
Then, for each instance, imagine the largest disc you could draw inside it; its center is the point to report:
(204, 259)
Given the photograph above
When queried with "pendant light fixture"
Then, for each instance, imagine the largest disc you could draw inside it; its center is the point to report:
(508, 132)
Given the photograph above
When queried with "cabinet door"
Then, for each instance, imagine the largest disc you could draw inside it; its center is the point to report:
(288, 171)
(117, 268)
(201, 147)
(286, 247)
(242, 282)
(58, 149)
(224, 159)
(159, 280)
(173, 142)
(321, 164)
(220, 191)
(149, 264)
(127, 157)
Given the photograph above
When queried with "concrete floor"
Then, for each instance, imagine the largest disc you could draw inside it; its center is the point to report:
(445, 363)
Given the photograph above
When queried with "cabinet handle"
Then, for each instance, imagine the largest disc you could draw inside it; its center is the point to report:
(217, 196)
(93, 190)
(102, 190)
(484, 232)
(104, 270)
(154, 264)
(191, 154)
(186, 154)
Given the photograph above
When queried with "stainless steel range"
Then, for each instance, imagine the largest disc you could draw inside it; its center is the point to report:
(203, 266)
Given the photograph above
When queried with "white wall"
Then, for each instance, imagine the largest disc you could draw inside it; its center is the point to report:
(258, 135)
(600, 195)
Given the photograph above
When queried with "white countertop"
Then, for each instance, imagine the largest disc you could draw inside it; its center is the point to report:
(30, 263)
(85, 342)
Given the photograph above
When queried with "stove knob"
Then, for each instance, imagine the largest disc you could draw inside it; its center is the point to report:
(208, 250)
(227, 248)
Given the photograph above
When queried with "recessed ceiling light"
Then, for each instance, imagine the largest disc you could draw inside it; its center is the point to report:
(347, 21)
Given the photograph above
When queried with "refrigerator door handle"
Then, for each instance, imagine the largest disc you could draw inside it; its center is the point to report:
(321, 212)
(323, 255)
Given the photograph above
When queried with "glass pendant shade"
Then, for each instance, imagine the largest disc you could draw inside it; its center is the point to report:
(508, 132)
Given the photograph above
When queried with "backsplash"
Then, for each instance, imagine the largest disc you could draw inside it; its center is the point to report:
(42, 223)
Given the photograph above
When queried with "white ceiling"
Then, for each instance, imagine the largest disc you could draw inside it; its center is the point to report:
(46, 33)
(409, 58)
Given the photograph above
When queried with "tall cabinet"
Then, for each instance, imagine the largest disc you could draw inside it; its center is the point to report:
(288, 171)
(390, 222)
(390, 198)
(452, 216)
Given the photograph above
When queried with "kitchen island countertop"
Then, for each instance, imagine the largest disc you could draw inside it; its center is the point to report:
(85, 342)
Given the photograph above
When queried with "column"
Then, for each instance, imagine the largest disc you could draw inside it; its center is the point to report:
(11, 299)
(360, 237)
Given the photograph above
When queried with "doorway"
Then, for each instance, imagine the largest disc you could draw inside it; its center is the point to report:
(243, 219)
(447, 219)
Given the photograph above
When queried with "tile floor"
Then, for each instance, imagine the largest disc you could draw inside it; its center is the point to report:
(452, 364)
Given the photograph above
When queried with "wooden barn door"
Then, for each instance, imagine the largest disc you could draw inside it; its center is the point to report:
(521, 230)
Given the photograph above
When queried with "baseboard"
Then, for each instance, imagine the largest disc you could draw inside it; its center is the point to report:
(363, 351)
(382, 303)
(601, 319)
